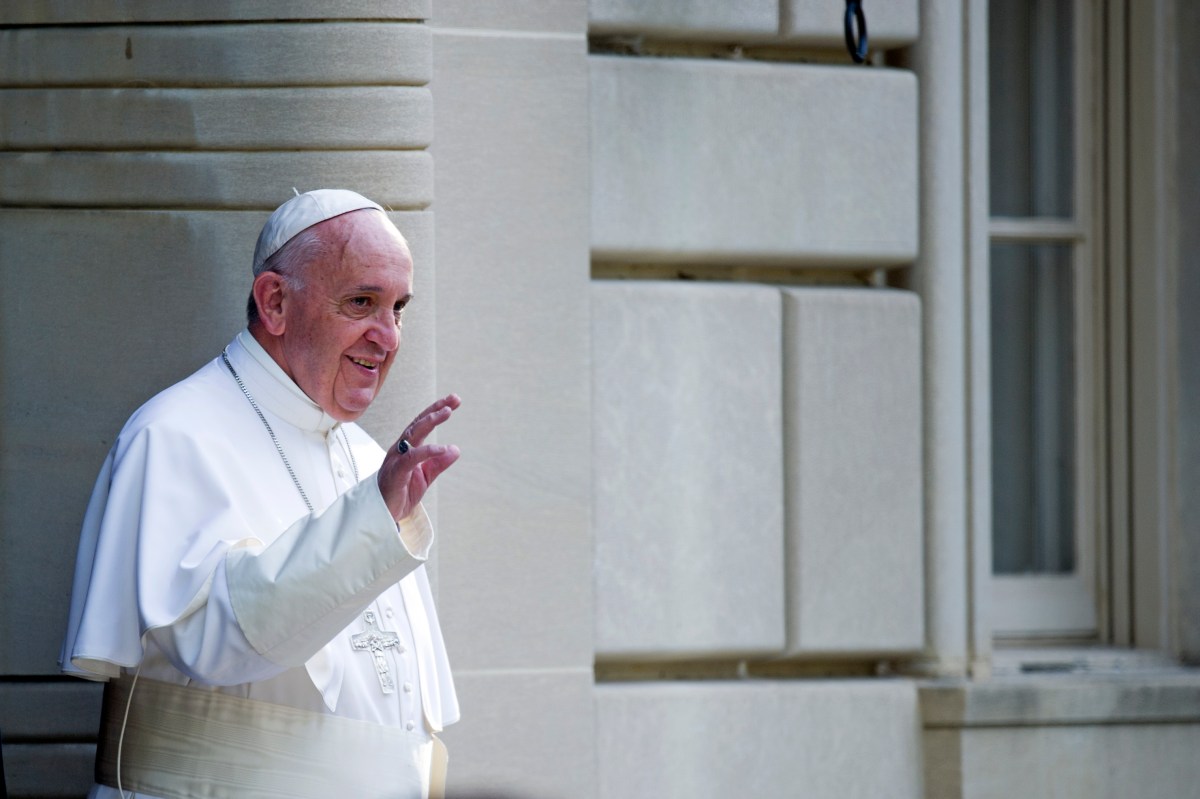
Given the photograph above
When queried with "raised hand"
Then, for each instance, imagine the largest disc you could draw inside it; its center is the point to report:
(411, 465)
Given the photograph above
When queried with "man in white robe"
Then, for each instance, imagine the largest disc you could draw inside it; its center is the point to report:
(250, 577)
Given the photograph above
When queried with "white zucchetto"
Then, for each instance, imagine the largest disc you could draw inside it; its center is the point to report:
(302, 212)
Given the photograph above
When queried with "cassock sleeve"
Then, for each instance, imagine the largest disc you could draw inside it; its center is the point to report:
(295, 595)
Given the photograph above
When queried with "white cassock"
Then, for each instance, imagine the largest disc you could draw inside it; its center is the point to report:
(200, 565)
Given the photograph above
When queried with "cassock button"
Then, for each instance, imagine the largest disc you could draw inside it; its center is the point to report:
(341, 473)
(409, 726)
(408, 688)
(389, 613)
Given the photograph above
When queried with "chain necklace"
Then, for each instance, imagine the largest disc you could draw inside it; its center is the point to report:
(278, 447)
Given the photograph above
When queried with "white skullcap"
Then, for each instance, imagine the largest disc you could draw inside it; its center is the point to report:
(302, 212)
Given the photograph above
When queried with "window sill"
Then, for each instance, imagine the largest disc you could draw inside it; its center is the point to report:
(1038, 688)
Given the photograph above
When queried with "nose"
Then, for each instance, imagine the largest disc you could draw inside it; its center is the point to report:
(384, 331)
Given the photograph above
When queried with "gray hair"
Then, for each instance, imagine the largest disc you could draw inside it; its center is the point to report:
(290, 261)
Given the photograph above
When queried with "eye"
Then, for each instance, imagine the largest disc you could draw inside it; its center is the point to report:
(398, 311)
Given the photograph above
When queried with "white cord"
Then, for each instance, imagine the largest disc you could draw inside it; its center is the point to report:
(121, 737)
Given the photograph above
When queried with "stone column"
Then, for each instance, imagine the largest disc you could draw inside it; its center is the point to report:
(511, 87)
(940, 278)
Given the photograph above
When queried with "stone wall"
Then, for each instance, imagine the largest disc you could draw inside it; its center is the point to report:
(757, 411)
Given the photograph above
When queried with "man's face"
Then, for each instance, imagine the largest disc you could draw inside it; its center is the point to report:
(342, 327)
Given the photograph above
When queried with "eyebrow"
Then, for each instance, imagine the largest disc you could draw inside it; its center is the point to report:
(378, 290)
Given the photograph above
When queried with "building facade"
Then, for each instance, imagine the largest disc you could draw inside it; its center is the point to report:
(829, 430)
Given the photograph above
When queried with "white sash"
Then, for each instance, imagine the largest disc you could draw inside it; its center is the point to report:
(182, 743)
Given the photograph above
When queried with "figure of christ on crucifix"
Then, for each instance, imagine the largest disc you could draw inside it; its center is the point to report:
(374, 640)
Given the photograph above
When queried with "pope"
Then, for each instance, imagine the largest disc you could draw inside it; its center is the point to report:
(250, 580)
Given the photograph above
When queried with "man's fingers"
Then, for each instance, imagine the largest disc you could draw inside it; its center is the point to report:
(429, 462)
(403, 479)
(437, 464)
(450, 401)
(422, 426)
(431, 417)
(424, 457)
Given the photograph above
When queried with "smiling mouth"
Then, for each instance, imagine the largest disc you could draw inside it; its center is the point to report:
(372, 365)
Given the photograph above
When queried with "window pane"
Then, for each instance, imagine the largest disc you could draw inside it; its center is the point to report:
(1033, 395)
(1030, 107)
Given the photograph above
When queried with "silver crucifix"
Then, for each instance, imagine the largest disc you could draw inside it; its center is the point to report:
(374, 640)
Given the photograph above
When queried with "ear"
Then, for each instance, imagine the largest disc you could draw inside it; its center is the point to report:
(269, 292)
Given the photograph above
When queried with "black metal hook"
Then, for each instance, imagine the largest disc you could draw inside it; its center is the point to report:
(856, 43)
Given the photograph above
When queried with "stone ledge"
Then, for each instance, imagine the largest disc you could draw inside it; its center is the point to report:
(697, 19)
(68, 12)
(1057, 700)
(401, 180)
(253, 54)
(342, 118)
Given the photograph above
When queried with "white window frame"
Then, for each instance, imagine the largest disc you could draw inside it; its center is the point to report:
(1070, 607)
(1130, 493)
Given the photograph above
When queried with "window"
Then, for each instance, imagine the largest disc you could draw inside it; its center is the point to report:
(1046, 315)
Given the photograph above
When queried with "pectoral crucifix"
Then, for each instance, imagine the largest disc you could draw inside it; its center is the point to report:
(374, 640)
